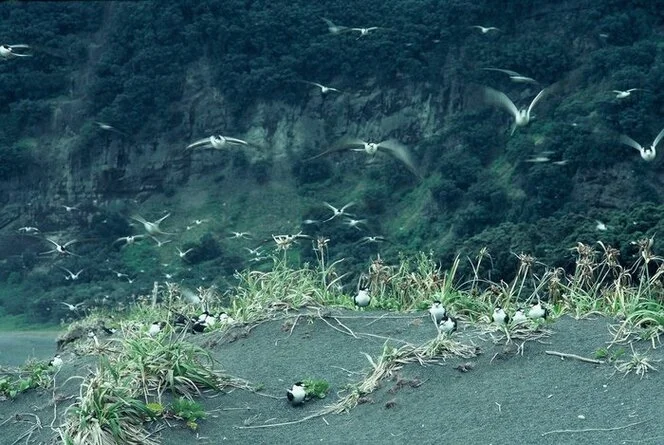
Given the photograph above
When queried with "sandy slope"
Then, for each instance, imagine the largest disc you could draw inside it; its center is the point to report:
(505, 399)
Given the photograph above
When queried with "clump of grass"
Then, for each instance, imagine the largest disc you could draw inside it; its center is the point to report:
(639, 363)
(33, 374)
(317, 388)
(187, 410)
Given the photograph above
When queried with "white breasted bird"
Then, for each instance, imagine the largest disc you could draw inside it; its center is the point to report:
(362, 298)
(500, 316)
(447, 324)
(519, 316)
(296, 394)
(56, 361)
(437, 312)
(156, 328)
(537, 310)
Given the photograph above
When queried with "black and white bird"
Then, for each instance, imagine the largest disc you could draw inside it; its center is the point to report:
(537, 310)
(362, 298)
(437, 312)
(296, 394)
(224, 318)
(9, 51)
(521, 116)
(519, 316)
(500, 316)
(447, 324)
(56, 361)
(217, 142)
(647, 153)
(156, 328)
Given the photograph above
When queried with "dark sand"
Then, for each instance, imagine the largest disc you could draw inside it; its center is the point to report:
(511, 399)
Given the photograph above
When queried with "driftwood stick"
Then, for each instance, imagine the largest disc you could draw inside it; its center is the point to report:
(574, 356)
(586, 430)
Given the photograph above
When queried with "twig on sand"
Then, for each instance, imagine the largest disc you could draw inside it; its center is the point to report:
(574, 356)
(292, 422)
(587, 430)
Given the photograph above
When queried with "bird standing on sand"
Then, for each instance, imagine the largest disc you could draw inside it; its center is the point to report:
(362, 298)
(56, 361)
(447, 324)
(296, 394)
(437, 312)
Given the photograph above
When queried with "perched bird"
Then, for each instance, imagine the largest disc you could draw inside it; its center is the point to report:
(9, 51)
(334, 29)
(500, 316)
(437, 312)
(338, 212)
(537, 310)
(519, 316)
(447, 324)
(217, 142)
(156, 328)
(514, 76)
(647, 153)
(296, 394)
(323, 88)
(522, 116)
(390, 146)
(362, 298)
(152, 227)
(485, 30)
(56, 361)
(224, 318)
(623, 94)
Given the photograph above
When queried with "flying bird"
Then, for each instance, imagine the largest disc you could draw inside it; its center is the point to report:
(364, 31)
(390, 146)
(623, 94)
(107, 127)
(522, 116)
(152, 227)
(338, 212)
(217, 142)
(647, 153)
(485, 30)
(514, 76)
(334, 29)
(9, 51)
(323, 89)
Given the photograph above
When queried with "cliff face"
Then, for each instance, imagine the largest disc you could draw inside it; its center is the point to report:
(164, 77)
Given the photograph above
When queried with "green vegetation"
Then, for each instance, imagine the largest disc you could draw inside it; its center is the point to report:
(33, 374)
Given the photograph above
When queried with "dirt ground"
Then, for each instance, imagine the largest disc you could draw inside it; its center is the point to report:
(503, 398)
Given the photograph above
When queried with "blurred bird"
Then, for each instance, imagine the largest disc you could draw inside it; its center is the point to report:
(514, 76)
(623, 94)
(131, 239)
(519, 316)
(70, 275)
(56, 361)
(107, 127)
(323, 88)
(390, 146)
(9, 51)
(485, 29)
(647, 153)
(60, 248)
(152, 227)
(537, 310)
(296, 394)
(355, 223)
(156, 328)
(371, 239)
(365, 31)
(362, 298)
(522, 116)
(334, 29)
(217, 142)
(338, 212)
(72, 307)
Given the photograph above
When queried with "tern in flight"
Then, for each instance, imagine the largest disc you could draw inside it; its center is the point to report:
(647, 153)
(323, 89)
(217, 142)
(522, 116)
(514, 76)
(390, 146)
(9, 51)
(487, 29)
(623, 94)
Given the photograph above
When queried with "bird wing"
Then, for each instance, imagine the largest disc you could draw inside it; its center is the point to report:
(236, 141)
(199, 143)
(631, 142)
(658, 138)
(344, 144)
(401, 152)
(509, 72)
(500, 99)
(537, 98)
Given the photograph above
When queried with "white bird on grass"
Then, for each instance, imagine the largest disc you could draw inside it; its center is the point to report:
(9, 51)
(391, 146)
(626, 93)
(522, 116)
(514, 76)
(485, 30)
(217, 142)
(647, 153)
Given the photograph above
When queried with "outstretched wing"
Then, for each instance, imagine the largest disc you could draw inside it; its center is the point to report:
(537, 98)
(342, 145)
(631, 142)
(508, 72)
(401, 152)
(658, 138)
(500, 99)
(199, 143)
